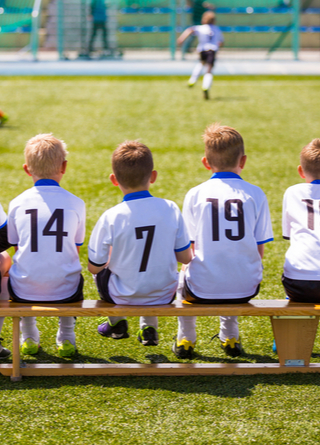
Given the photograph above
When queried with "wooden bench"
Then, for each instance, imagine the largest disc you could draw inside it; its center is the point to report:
(294, 327)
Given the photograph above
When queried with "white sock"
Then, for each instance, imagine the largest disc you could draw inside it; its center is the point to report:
(66, 330)
(229, 328)
(114, 320)
(187, 329)
(148, 321)
(28, 326)
(180, 285)
(4, 296)
(207, 81)
(195, 73)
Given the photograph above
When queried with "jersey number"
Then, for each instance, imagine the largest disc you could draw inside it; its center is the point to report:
(147, 247)
(310, 209)
(239, 218)
(57, 215)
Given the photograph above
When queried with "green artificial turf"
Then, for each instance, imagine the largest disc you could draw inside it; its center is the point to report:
(276, 116)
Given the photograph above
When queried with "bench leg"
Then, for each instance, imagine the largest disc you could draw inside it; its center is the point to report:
(16, 374)
(294, 336)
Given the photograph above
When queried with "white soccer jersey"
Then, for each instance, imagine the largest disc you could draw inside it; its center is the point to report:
(226, 218)
(46, 222)
(3, 217)
(144, 233)
(209, 37)
(301, 224)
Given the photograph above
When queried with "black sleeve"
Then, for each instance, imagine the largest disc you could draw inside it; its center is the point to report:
(4, 244)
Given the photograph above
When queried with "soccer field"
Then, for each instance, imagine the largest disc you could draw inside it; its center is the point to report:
(276, 116)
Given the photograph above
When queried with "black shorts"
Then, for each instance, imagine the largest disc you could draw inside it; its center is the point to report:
(102, 280)
(302, 291)
(189, 296)
(77, 296)
(208, 57)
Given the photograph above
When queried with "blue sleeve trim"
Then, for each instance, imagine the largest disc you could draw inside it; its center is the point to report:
(95, 264)
(3, 225)
(286, 237)
(266, 241)
(79, 244)
(183, 248)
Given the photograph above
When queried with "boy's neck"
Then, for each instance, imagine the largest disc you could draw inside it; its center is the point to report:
(236, 170)
(128, 191)
(56, 178)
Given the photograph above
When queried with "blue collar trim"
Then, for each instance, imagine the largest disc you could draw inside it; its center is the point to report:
(46, 182)
(137, 195)
(225, 175)
(316, 181)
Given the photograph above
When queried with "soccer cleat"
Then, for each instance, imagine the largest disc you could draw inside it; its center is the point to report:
(183, 349)
(4, 352)
(3, 118)
(66, 349)
(232, 347)
(117, 331)
(274, 346)
(30, 347)
(191, 83)
(148, 336)
(206, 94)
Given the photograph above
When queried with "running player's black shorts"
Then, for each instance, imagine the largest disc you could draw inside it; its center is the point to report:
(302, 291)
(208, 57)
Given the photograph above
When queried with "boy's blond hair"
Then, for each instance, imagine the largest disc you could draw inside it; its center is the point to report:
(208, 18)
(223, 146)
(132, 164)
(44, 155)
(310, 158)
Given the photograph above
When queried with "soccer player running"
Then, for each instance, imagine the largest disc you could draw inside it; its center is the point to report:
(210, 39)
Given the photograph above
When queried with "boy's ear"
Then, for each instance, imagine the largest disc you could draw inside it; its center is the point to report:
(25, 168)
(206, 163)
(113, 179)
(243, 161)
(301, 172)
(64, 167)
(153, 176)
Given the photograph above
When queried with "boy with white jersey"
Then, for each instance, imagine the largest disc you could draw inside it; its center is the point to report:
(135, 246)
(228, 221)
(210, 39)
(301, 225)
(47, 225)
(5, 264)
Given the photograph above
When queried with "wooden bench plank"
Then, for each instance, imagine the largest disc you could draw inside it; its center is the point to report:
(97, 308)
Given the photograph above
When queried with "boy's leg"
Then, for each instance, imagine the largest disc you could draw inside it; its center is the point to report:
(148, 334)
(4, 296)
(195, 74)
(66, 338)
(229, 336)
(29, 337)
(207, 81)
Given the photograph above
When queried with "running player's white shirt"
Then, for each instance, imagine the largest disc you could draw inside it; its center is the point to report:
(47, 223)
(301, 224)
(226, 218)
(144, 232)
(209, 37)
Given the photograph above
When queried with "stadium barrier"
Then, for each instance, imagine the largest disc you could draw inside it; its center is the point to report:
(294, 328)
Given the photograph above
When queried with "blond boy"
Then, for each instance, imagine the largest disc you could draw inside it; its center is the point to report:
(47, 225)
(135, 246)
(229, 223)
(301, 225)
(210, 39)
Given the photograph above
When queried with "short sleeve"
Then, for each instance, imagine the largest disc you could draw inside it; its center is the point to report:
(188, 216)
(100, 242)
(182, 237)
(13, 236)
(81, 226)
(3, 217)
(263, 230)
(285, 217)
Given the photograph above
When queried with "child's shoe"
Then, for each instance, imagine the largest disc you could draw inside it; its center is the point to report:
(183, 349)
(4, 352)
(232, 347)
(148, 336)
(3, 118)
(66, 348)
(30, 347)
(117, 331)
(206, 94)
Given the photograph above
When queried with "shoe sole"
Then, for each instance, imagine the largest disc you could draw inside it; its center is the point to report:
(148, 342)
(115, 336)
(187, 355)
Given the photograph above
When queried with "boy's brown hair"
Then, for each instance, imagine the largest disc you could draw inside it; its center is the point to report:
(44, 155)
(310, 158)
(223, 146)
(208, 18)
(132, 164)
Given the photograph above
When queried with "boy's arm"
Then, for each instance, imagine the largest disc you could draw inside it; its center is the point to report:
(185, 256)
(95, 269)
(261, 250)
(186, 33)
